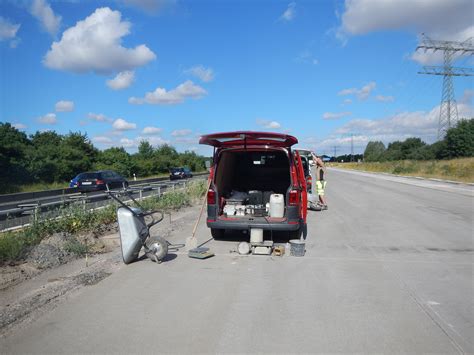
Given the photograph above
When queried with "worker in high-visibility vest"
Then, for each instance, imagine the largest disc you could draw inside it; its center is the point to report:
(320, 182)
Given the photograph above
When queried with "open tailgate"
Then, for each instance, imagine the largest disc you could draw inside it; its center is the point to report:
(248, 138)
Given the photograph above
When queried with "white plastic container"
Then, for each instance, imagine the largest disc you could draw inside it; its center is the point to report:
(277, 205)
(256, 235)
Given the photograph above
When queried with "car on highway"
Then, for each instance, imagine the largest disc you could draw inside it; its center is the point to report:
(180, 173)
(97, 180)
(73, 182)
(257, 182)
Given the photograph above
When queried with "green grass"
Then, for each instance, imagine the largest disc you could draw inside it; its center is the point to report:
(73, 220)
(461, 169)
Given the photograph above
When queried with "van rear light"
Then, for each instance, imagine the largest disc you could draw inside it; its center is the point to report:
(99, 182)
(211, 197)
(294, 197)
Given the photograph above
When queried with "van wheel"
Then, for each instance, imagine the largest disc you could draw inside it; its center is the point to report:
(217, 233)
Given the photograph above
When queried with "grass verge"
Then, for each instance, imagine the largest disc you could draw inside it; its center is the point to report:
(461, 169)
(14, 245)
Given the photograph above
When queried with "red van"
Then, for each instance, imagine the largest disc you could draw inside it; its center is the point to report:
(257, 181)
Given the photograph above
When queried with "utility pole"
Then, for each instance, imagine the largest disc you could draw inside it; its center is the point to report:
(448, 112)
(335, 151)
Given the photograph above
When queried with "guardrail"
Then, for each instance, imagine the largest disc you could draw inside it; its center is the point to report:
(22, 214)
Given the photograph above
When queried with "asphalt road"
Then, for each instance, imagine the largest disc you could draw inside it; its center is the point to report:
(388, 269)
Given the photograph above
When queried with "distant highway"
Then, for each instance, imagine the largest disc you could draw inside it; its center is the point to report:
(388, 269)
(19, 209)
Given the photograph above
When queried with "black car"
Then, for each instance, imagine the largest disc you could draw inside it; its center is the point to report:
(180, 173)
(97, 180)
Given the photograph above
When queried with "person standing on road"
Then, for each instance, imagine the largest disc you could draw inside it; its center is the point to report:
(320, 182)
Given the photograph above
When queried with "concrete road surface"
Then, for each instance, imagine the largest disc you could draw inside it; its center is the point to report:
(388, 269)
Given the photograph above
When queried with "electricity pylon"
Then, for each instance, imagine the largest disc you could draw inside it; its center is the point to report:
(448, 111)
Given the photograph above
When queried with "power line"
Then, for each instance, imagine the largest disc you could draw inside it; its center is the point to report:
(448, 113)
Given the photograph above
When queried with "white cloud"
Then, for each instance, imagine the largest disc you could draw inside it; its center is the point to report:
(175, 96)
(290, 13)
(199, 71)
(181, 132)
(19, 125)
(335, 115)
(121, 125)
(347, 102)
(8, 29)
(64, 106)
(383, 98)
(43, 12)
(150, 6)
(439, 18)
(362, 94)
(152, 130)
(102, 140)
(49, 118)
(95, 44)
(122, 80)
(128, 143)
(423, 124)
(268, 124)
(98, 117)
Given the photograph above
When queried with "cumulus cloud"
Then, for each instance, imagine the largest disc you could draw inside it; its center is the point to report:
(19, 125)
(98, 117)
(268, 124)
(442, 18)
(347, 102)
(95, 45)
(150, 6)
(423, 124)
(8, 29)
(64, 106)
(383, 98)
(199, 71)
(181, 132)
(150, 130)
(121, 125)
(335, 115)
(122, 80)
(290, 13)
(362, 94)
(45, 15)
(175, 96)
(49, 118)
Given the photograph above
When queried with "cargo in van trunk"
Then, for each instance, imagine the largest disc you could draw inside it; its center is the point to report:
(254, 174)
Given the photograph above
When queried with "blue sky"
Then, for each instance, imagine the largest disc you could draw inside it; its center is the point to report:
(168, 71)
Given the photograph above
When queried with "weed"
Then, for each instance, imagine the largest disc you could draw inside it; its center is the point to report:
(76, 248)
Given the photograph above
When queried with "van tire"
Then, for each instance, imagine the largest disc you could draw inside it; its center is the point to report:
(217, 233)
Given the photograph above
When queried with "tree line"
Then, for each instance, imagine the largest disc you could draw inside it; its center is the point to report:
(46, 157)
(458, 142)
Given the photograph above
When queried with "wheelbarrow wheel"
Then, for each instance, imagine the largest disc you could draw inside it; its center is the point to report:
(156, 248)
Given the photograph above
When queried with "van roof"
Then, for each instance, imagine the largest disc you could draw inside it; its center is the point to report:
(248, 138)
